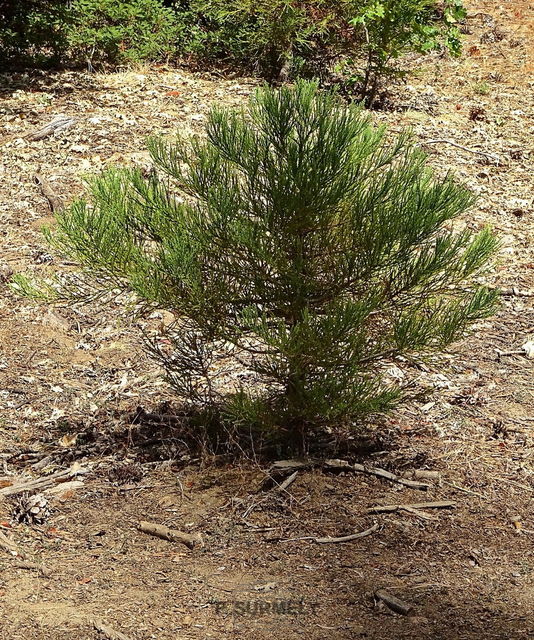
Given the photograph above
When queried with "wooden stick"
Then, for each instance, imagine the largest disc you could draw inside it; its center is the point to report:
(514, 291)
(172, 535)
(34, 566)
(54, 201)
(353, 536)
(465, 490)
(8, 545)
(388, 508)
(460, 146)
(387, 475)
(108, 632)
(57, 124)
(419, 514)
(287, 482)
(342, 465)
(282, 468)
(393, 603)
(42, 483)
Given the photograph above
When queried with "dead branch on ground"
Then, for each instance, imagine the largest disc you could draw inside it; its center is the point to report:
(468, 149)
(108, 632)
(21, 485)
(394, 603)
(190, 540)
(54, 201)
(389, 508)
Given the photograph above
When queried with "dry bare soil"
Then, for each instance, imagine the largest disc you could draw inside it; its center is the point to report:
(72, 381)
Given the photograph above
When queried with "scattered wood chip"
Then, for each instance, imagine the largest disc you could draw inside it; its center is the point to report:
(394, 603)
(190, 540)
(108, 632)
(516, 521)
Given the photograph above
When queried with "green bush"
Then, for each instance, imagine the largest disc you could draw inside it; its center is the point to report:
(33, 32)
(99, 31)
(364, 39)
(277, 39)
(268, 36)
(294, 240)
(120, 31)
(392, 28)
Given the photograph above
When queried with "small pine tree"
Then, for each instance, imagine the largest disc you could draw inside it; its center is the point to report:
(296, 239)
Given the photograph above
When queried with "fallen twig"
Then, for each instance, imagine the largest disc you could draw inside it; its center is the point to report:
(54, 201)
(395, 604)
(514, 291)
(516, 352)
(172, 535)
(353, 536)
(388, 508)
(59, 123)
(8, 545)
(330, 540)
(460, 146)
(34, 566)
(342, 465)
(287, 482)
(283, 468)
(42, 483)
(108, 632)
(418, 513)
(465, 490)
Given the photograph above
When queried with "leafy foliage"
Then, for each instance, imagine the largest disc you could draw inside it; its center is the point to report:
(123, 31)
(391, 28)
(269, 36)
(278, 39)
(110, 31)
(33, 31)
(364, 39)
(294, 239)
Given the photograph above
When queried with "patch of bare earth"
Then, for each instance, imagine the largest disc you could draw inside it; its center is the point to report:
(467, 571)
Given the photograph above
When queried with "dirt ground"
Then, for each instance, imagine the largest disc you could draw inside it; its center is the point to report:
(76, 388)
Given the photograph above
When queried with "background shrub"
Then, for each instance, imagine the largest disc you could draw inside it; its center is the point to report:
(114, 32)
(390, 28)
(361, 40)
(33, 32)
(120, 31)
(270, 36)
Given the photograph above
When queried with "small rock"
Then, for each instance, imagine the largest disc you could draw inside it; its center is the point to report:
(5, 272)
(53, 319)
(418, 620)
